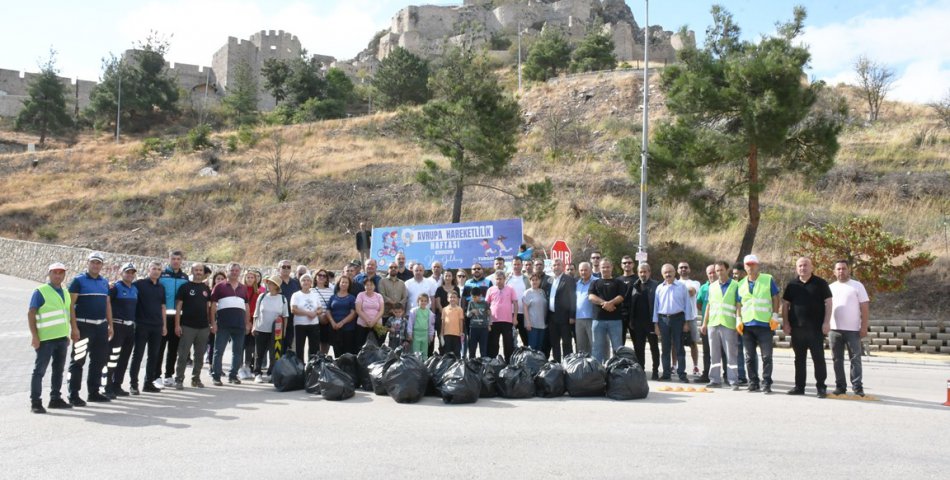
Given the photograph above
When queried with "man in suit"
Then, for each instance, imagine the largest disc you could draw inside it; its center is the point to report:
(642, 297)
(562, 302)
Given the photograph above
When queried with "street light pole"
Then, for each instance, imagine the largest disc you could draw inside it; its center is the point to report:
(519, 56)
(642, 247)
(118, 102)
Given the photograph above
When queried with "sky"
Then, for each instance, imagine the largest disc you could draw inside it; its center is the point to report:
(910, 36)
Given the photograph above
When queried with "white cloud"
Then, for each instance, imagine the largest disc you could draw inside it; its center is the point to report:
(198, 29)
(914, 42)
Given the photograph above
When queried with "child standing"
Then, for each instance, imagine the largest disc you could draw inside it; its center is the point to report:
(479, 323)
(397, 325)
(421, 330)
(452, 319)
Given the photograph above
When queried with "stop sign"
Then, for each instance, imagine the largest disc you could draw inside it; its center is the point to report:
(562, 251)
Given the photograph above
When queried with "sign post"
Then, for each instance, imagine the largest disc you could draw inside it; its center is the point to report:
(562, 251)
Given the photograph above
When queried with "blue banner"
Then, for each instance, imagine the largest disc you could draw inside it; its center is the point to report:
(456, 245)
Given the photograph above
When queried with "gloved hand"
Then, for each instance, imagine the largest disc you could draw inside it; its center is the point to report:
(774, 322)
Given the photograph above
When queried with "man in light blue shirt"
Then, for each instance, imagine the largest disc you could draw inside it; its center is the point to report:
(583, 325)
(671, 308)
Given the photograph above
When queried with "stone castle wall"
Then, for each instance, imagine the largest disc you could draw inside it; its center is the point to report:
(260, 47)
(15, 87)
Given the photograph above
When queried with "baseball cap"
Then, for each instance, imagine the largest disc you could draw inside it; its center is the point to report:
(56, 266)
(96, 256)
(356, 262)
(129, 266)
(750, 259)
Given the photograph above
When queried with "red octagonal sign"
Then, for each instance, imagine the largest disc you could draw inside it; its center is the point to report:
(562, 251)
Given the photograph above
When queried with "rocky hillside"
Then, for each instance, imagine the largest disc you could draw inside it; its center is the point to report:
(144, 197)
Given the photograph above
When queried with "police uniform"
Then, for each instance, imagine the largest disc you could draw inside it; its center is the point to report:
(92, 297)
(123, 298)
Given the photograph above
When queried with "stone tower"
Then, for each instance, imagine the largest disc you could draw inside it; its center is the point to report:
(259, 48)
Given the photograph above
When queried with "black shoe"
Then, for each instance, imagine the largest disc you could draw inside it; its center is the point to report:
(767, 389)
(656, 376)
(743, 382)
(97, 397)
(77, 402)
(822, 393)
(234, 380)
(703, 379)
(713, 385)
(134, 390)
(796, 391)
(149, 388)
(859, 391)
(753, 387)
(684, 379)
(120, 393)
(59, 403)
(839, 391)
(664, 378)
(37, 407)
(111, 395)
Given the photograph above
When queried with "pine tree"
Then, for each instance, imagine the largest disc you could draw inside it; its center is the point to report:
(401, 79)
(594, 53)
(240, 104)
(44, 112)
(549, 55)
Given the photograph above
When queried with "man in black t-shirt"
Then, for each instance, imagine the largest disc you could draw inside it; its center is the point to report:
(607, 295)
(806, 316)
(192, 307)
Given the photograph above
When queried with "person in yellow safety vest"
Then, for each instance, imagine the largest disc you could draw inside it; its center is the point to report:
(51, 329)
(719, 325)
(757, 304)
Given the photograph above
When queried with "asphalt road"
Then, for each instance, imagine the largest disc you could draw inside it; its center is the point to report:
(252, 431)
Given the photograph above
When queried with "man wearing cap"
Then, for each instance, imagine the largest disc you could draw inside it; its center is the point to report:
(150, 327)
(192, 309)
(92, 313)
(51, 329)
(173, 277)
(757, 304)
(123, 296)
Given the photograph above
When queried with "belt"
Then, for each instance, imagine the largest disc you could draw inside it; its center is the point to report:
(672, 315)
(91, 322)
(123, 322)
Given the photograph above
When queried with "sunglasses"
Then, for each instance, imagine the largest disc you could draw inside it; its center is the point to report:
(285, 267)
(625, 263)
(684, 268)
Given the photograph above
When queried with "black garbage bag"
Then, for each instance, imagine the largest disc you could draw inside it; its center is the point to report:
(549, 382)
(585, 377)
(349, 364)
(376, 371)
(335, 383)
(312, 372)
(532, 359)
(485, 375)
(461, 383)
(369, 354)
(406, 379)
(514, 381)
(626, 380)
(288, 374)
(624, 352)
(436, 366)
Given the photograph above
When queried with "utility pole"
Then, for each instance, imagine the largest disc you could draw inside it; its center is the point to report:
(118, 102)
(519, 55)
(642, 247)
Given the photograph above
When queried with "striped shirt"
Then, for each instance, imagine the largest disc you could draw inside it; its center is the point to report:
(232, 305)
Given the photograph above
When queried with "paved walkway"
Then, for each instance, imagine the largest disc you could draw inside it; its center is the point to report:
(251, 430)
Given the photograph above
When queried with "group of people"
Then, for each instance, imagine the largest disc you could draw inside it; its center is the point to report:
(192, 317)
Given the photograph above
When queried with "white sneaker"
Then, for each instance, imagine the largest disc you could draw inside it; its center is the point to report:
(158, 383)
(169, 382)
(259, 379)
(244, 373)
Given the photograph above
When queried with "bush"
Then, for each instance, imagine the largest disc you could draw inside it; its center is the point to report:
(199, 138)
(248, 136)
(157, 146)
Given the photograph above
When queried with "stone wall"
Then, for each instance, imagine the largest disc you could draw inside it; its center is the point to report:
(30, 260)
(15, 87)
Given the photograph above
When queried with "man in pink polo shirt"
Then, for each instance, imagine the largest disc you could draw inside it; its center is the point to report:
(504, 307)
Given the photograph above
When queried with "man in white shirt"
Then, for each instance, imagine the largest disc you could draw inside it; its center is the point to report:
(519, 282)
(849, 324)
(419, 284)
(691, 338)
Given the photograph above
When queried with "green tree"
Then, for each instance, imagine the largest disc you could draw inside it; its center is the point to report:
(549, 55)
(149, 94)
(240, 104)
(44, 112)
(275, 73)
(595, 52)
(743, 116)
(869, 249)
(401, 79)
(304, 82)
(473, 123)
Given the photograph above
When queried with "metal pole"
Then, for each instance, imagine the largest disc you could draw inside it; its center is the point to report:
(519, 55)
(642, 247)
(118, 102)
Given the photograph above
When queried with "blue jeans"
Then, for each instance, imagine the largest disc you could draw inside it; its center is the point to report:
(236, 336)
(54, 350)
(536, 338)
(478, 338)
(671, 334)
(604, 330)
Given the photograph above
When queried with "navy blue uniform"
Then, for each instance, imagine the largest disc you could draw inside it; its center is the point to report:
(91, 304)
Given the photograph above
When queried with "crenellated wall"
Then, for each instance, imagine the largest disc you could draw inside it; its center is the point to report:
(15, 87)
